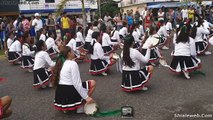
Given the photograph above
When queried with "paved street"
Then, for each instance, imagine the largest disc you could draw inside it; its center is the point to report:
(168, 94)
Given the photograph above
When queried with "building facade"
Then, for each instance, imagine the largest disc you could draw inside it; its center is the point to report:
(140, 5)
(9, 7)
(44, 7)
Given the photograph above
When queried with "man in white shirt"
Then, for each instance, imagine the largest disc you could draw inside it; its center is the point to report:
(38, 24)
(144, 12)
(184, 13)
(79, 20)
(106, 18)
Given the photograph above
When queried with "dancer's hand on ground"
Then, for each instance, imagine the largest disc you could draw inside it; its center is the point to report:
(161, 57)
(89, 100)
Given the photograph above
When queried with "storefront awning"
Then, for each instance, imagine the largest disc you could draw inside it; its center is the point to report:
(168, 5)
(51, 11)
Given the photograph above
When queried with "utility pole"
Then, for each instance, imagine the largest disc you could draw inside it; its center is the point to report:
(84, 17)
(99, 7)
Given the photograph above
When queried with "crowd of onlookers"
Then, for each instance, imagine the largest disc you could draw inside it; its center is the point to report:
(66, 22)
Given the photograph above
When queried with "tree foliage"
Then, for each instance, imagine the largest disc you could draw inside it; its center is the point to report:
(110, 7)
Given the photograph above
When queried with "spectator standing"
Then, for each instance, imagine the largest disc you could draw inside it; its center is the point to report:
(125, 17)
(65, 24)
(118, 21)
(51, 25)
(130, 21)
(160, 15)
(144, 13)
(191, 13)
(25, 24)
(37, 23)
(79, 21)
(2, 33)
(184, 12)
(137, 17)
(148, 19)
(32, 30)
(107, 18)
(207, 13)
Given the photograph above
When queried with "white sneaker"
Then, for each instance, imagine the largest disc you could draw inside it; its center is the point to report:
(165, 48)
(80, 110)
(30, 70)
(18, 63)
(43, 86)
(144, 88)
(65, 111)
(50, 85)
(186, 74)
(208, 53)
(6, 53)
(104, 74)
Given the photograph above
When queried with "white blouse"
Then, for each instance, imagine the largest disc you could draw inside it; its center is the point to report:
(98, 52)
(185, 49)
(163, 31)
(72, 44)
(147, 43)
(70, 75)
(50, 42)
(123, 31)
(15, 47)
(89, 36)
(79, 37)
(38, 24)
(42, 37)
(136, 36)
(200, 31)
(26, 50)
(9, 43)
(115, 35)
(42, 59)
(168, 26)
(160, 16)
(137, 58)
(106, 41)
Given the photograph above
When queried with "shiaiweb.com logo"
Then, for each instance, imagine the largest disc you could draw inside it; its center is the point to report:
(180, 115)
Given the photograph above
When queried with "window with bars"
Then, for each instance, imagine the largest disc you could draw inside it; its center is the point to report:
(49, 1)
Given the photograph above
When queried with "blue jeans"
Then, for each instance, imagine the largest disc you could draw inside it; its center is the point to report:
(2, 38)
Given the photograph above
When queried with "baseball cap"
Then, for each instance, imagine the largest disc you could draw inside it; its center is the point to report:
(37, 14)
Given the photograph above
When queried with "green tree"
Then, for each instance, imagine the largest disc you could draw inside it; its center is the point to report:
(110, 7)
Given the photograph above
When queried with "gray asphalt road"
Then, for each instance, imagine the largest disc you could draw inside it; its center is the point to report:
(168, 94)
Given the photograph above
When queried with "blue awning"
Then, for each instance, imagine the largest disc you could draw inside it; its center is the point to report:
(51, 11)
(170, 5)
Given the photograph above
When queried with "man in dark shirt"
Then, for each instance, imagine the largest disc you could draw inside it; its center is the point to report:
(51, 25)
